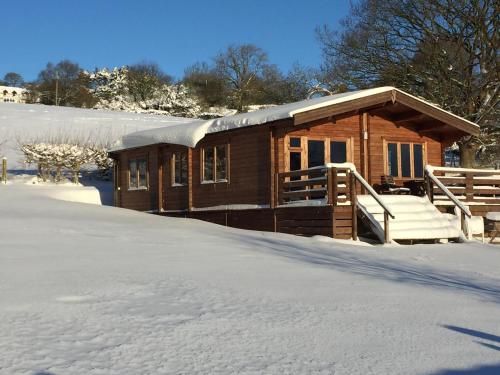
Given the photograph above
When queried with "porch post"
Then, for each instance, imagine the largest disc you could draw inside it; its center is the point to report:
(160, 178)
(190, 179)
(364, 149)
(272, 171)
(354, 204)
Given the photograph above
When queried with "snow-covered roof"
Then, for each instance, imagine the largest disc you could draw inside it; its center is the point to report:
(189, 134)
(10, 89)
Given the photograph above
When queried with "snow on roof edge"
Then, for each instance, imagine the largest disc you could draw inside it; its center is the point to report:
(190, 133)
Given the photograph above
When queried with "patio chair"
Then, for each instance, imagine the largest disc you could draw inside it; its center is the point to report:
(389, 187)
(493, 224)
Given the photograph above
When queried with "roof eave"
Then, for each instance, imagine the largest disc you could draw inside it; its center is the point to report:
(393, 96)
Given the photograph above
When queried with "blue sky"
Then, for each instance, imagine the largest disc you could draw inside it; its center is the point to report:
(175, 34)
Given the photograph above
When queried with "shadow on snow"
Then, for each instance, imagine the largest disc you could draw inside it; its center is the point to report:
(385, 270)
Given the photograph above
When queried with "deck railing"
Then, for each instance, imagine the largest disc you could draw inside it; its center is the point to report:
(470, 186)
(331, 184)
(317, 183)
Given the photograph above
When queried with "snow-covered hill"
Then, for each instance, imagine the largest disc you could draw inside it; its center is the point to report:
(87, 289)
(32, 121)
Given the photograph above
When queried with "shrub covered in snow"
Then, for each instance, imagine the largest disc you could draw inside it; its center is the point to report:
(53, 157)
(113, 90)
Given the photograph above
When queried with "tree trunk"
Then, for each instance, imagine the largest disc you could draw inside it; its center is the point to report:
(467, 155)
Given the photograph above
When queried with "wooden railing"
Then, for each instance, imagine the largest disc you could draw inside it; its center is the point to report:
(434, 184)
(328, 184)
(466, 185)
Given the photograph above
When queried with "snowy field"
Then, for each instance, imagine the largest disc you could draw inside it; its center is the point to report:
(90, 289)
(34, 121)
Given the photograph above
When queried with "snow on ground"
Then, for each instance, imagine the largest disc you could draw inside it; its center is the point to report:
(27, 121)
(89, 289)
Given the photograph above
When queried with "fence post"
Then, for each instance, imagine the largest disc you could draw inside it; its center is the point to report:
(279, 189)
(332, 186)
(429, 188)
(354, 215)
(386, 227)
(469, 187)
(4, 170)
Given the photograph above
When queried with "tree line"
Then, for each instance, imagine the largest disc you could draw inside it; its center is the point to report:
(237, 77)
(444, 51)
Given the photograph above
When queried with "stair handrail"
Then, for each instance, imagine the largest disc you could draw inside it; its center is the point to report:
(371, 191)
(363, 182)
(429, 169)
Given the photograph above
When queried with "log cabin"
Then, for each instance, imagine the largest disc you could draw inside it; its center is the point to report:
(312, 167)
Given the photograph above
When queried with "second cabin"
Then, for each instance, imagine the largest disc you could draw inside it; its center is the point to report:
(311, 167)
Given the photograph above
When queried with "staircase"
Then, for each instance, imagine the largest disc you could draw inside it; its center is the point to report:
(416, 218)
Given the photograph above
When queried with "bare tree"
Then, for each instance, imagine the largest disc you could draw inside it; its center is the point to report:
(64, 84)
(13, 79)
(446, 51)
(209, 86)
(145, 79)
(241, 66)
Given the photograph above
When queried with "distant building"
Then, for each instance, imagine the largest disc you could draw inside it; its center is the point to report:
(13, 94)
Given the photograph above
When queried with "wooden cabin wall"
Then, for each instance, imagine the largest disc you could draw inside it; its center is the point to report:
(143, 199)
(250, 161)
(380, 129)
(249, 169)
(175, 198)
(345, 127)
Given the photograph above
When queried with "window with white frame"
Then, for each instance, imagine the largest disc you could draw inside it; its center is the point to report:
(138, 173)
(214, 166)
(179, 169)
(405, 160)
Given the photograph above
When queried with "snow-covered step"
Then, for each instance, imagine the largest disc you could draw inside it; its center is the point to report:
(416, 218)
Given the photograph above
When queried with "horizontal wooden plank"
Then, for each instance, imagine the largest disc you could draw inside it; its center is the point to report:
(342, 222)
(302, 183)
(303, 172)
(318, 193)
(324, 231)
(343, 236)
(338, 209)
(304, 213)
(342, 230)
(305, 223)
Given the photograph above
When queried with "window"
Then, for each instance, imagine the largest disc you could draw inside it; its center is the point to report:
(405, 160)
(418, 160)
(214, 163)
(138, 174)
(180, 168)
(294, 142)
(220, 163)
(315, 153)
(308, 152)
(295, 161)
(338, 152)
(392, 159)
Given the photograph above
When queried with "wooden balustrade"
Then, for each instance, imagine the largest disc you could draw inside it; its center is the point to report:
(333, 186)
(330, 184)
(469, 186)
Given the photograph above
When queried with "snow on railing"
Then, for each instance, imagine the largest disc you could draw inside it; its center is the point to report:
(325, 183)
(430, 174)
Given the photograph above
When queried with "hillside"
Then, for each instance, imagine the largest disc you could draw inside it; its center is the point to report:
(89, 289)
(34, 121)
